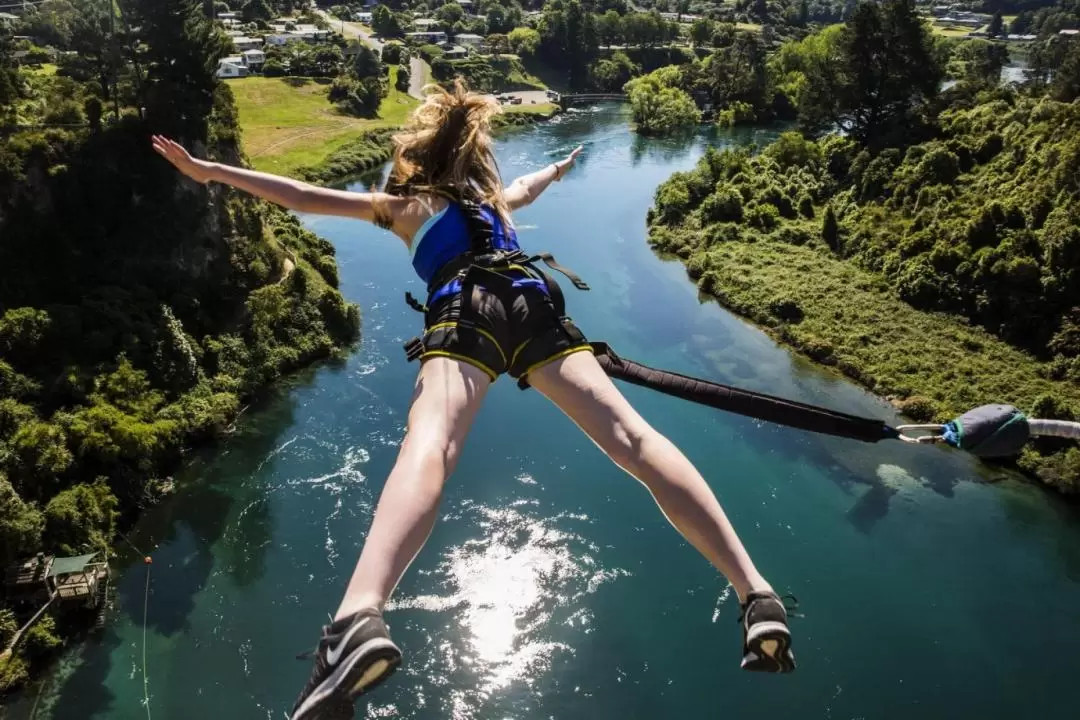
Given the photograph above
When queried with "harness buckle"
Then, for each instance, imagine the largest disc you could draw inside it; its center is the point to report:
(414, 349)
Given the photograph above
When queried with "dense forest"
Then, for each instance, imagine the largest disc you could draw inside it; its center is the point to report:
(138, 310)
(962, 203)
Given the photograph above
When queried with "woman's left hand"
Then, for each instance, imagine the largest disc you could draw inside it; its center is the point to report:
(564, 166)
(197, 170)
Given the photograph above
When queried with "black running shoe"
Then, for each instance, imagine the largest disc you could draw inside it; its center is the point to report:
(354, 655)
(766, 638)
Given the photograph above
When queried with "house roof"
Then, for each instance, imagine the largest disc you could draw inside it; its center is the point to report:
(469, 36)
(8, 16)
(253, 52)
(69, 565)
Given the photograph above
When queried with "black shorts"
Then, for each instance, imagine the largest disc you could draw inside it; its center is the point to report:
(500, 329)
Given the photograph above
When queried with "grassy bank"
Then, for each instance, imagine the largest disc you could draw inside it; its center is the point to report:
(931, 366)
(289, 126)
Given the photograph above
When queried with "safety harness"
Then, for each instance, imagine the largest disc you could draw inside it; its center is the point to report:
(484, 264)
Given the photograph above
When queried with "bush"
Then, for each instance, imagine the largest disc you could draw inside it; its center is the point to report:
(724, 205)
(763, 216)
(394, 53)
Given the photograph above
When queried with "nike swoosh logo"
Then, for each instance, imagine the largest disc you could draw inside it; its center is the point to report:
(334, 654)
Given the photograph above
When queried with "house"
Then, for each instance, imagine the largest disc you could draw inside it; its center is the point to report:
(425, 23)
(433, 37)
(228, 16)
(8, 17)
(240, 44)
(469, 40)
(41, 577)
(254, 59)
(454, 52)
(1020, 38)
(1068, 32)
(364, 17)
(232, 67)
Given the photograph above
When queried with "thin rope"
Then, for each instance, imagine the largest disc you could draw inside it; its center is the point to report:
(125, 538)
(146, 605)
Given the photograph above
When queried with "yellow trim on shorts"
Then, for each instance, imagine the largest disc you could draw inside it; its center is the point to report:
(518, 352)
(485, 333)
(461, 358)
(557, 356)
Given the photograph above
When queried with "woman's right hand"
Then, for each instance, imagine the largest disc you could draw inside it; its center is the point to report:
(198, 170)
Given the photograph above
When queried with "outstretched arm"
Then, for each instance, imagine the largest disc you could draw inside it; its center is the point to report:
(293, 194)
(525, 189)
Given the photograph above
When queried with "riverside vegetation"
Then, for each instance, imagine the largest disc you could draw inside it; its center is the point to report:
(931, 251)
(137, 311)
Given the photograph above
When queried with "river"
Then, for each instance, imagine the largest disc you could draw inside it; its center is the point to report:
(552, 587)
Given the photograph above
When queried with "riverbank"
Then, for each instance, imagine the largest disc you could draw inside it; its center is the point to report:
(930, 366)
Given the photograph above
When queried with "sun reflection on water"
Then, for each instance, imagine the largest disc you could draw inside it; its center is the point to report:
(512, 589)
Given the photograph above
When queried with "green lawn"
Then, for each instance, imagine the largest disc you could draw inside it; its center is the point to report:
(289, 124)
(537, 109)
(752, 27)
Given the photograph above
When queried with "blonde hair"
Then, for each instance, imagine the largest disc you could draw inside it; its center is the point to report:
(445, 149)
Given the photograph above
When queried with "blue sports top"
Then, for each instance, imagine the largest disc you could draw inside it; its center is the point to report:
(445, 235)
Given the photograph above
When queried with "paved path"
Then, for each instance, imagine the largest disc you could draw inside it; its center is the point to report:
(351, 30)
(418, 74)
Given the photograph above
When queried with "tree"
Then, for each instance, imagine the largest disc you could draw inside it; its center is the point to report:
(402, 82)
(868, 76)
(180, 50)
(659, 106)
(738, 74)
(702, 31)
(9, 77)
(256, 10)
(497, 44)
(449, 14)
(20, 524)
(983, 61)
(523, 41)
(613, 73)
(609, 28)
(384, 22)
(326, 60)
(997, 26)
(1065, 85)
(830, 230)
(366, 63)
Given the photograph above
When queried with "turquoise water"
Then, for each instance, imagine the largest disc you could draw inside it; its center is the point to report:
(552, 587)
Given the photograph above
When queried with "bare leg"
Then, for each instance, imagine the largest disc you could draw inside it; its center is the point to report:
(581, 389)
(448, 394)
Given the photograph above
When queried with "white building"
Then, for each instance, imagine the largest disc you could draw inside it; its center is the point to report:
(469, 40)
(364, 17)
(232, 67)
(228, 16)
(240, 44)
(454, 52)
(425, 23)
(427, 37)
(254, 59)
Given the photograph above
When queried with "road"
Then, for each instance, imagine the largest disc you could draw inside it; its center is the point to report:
(351, 30)
(419, 73)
